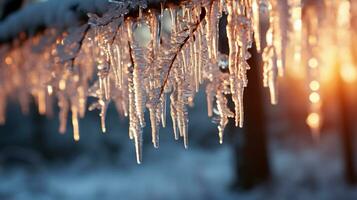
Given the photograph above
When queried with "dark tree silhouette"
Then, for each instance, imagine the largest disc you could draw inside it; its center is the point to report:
(346, 130)
(252, 166)
(250, 146)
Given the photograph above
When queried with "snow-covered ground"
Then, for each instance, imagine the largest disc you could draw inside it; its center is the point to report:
(312, 172)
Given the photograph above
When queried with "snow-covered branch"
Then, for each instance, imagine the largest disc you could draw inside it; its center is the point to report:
(61, 14)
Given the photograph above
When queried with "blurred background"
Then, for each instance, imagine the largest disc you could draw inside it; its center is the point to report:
(275, 156)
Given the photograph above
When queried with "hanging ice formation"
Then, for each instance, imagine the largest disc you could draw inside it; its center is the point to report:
(108, 60)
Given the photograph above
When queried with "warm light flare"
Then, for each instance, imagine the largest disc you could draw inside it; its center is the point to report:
(62, 84)
(297, 25)
(348, 73)
(313, 63)
(314, 85)
(313, 120)
(314, 97)
(297, 56)
(49, 89)
(8, 60)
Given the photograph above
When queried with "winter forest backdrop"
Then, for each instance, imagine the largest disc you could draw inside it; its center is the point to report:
(274, 156)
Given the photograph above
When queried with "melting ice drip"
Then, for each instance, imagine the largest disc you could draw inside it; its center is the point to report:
(108, 59)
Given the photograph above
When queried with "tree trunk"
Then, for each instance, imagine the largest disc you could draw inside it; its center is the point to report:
(346, 130)
(250, 148)
(252, 163)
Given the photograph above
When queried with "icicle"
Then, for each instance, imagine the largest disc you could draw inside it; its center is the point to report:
(212, 29)
(224, 114)
(135, 131)
(163, 111)
(139, 64)
(81, 101)
(154, 127)
(119, 70)
(41, 99)
(274, 52)
(102, 115)
(270, 67)
(209, 99)
(173, 20)
(75, 123)
(256, 16)
(63, 114)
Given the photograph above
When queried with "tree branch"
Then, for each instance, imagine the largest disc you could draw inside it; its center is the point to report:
(61, 14)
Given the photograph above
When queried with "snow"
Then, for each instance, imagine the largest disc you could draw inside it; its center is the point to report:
(55, 13)
(311, 172)
(187, 174)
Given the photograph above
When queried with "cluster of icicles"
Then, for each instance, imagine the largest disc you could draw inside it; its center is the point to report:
(106, 59)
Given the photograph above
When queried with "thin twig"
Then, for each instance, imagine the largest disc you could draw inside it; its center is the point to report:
(131, 54)
(202, 16)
